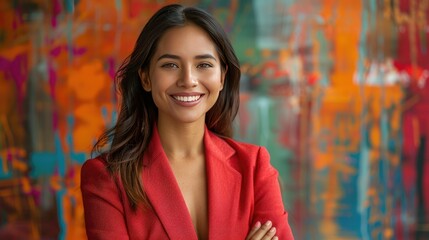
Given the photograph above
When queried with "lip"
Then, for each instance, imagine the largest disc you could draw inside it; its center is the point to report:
(187, 104)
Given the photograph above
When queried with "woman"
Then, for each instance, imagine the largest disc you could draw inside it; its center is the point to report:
(172, 172)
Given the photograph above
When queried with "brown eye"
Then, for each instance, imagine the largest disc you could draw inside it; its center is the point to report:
(169, 65)
(204, 65)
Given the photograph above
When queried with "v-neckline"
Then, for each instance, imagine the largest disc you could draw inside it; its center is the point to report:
(164, 194)
(182, 183)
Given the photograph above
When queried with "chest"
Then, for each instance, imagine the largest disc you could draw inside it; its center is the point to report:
(192, 181)
(176, 192)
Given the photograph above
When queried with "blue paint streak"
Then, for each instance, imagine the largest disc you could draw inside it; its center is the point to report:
(42, 164)
(114, 117)
(76, 157)
(104, 113)
(363, 185)
(325, 62)
(363, 179)
(59, 153)
(3, 174)
(69, 6)
(350, 217)
(69, 137)
(60, 210)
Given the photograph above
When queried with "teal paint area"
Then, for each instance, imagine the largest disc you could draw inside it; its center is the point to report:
(348, 215)
(3, 173)
(43, 164)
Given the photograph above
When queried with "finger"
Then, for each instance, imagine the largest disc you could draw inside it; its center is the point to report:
(260, 233)
(253, 230)
(275, 238)
(270, 234)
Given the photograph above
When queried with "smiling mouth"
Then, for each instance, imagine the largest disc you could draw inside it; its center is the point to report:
(187, 98)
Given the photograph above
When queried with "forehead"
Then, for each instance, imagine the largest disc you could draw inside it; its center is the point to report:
(187, 40)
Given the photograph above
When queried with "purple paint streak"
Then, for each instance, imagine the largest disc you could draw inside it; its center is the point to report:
(56, 51)
(52, 80)
(17, 69)
(79, 51)
(71, 172)
(112, 71)
(9, 156)
(56, 10)
(36, 194)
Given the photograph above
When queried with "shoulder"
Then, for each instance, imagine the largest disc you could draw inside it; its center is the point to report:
(97, 164)
(244, 147)
(244, 152)
(95, 171)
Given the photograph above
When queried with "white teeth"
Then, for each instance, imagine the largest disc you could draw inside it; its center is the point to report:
(187, 98)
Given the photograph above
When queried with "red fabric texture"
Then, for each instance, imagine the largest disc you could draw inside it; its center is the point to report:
(243, 188)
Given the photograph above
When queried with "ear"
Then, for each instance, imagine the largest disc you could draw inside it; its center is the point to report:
(222, 80)
(144, 79)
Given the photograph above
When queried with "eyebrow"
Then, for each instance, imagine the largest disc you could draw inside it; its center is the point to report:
(202, 56)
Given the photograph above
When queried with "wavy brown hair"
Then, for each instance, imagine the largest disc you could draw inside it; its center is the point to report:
(132, 132)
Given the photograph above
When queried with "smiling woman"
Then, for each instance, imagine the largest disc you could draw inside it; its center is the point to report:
(172, 170)
(185, 76)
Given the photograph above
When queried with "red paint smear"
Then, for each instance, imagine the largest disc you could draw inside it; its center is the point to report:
(404, 6)
(415, 119)
(136, 8)
(56, 10)
(313, 78)
(403, 58)
(17, 20)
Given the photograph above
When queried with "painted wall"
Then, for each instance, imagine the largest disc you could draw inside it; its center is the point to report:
(338, 91)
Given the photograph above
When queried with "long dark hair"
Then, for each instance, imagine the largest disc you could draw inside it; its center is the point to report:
(138, 113)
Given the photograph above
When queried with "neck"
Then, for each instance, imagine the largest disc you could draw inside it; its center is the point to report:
(182, 142)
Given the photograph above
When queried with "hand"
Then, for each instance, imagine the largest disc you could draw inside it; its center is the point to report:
(264, 232)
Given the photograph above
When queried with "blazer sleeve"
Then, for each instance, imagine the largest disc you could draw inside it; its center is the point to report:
(268, 198)
(103, 209)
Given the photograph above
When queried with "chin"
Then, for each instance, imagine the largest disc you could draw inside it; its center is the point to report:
(190, 119)
(187, 121)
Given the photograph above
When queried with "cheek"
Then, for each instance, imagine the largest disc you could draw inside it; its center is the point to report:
(160, 83)
(216, 82)
(215, 91)
(157, 93)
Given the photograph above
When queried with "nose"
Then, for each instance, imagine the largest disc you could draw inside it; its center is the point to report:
(188, 78)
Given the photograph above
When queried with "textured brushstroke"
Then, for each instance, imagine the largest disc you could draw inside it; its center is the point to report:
(336, 90)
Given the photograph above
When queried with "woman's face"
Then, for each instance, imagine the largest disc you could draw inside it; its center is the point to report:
(185, 75)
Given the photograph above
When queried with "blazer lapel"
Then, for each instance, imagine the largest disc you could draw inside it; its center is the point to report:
(223, 186)
(164, 193)
(223, 189)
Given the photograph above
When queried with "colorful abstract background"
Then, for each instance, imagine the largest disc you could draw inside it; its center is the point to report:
(337, 90)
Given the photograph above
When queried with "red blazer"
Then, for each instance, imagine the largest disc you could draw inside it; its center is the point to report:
(243, 188)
